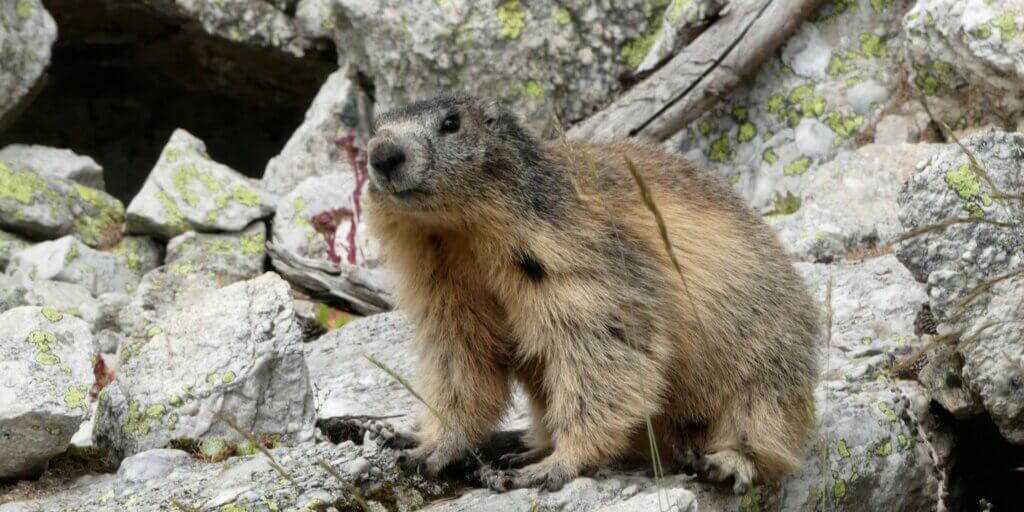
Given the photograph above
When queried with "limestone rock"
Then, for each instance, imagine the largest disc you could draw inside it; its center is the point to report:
(69, 260)
(235, 351)
(27, 34)
(50, 206)
(827, 87)
(681, 22)
(232, 256)
(848, 203)
(10, 244)
(45, 374)
(311, 150)
(250, 21)
(62, 163)
(139, 254)
(973, 268)
(965, 54)
(544, 57)
(347, 383)
(187, 190)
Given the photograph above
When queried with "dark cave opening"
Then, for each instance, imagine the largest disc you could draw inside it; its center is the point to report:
(123, 76)
(983, 466)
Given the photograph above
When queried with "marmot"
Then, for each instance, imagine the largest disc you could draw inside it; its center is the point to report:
(539, 263)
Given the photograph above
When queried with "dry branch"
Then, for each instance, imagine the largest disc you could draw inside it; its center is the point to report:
(709, 68)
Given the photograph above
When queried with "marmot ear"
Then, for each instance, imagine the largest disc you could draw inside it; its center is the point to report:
(491, 111)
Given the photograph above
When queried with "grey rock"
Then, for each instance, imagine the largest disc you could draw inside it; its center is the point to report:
(832, 75)
(293, 231)
(873, 306)
(68, 298)
(41, 206)
(248, 21)
(301, 253)
(973, 268)
(62, 163)
(152, 464)
(850, 202)
(898, 129)
(235, 351)
(231, 256)
(139, 254)
(347, 383)
(10, 244)
(544, 57)
(155, 478)
(27, 33)
(45, 372)
(69, 260)
(187, 190)
(163, 291)
(311, 150)
(682, 22)
(942, 376)
(965, 54)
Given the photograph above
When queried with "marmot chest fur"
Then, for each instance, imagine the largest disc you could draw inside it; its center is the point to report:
(539, 263)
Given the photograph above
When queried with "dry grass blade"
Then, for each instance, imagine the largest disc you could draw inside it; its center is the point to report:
(183, 508)
(938, 226)
(255, 442)
(982, 288)
(357, 495)
(901, 368)
(408, 387)
(975, 163)
(648, 199)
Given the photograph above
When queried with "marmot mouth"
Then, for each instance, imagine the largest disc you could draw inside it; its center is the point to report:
(405, 195)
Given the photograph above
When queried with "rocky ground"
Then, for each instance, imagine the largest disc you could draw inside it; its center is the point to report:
(208, 340)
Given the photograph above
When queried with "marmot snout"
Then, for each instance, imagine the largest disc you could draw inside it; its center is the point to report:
(538, 263)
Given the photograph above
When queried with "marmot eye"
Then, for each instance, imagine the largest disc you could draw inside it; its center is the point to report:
(450, 124)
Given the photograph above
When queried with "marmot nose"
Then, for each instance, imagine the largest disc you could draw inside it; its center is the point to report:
(386, 158)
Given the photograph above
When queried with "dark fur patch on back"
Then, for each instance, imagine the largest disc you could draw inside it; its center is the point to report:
(533, 269)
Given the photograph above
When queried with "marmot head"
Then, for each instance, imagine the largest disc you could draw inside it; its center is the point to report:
(451, 154)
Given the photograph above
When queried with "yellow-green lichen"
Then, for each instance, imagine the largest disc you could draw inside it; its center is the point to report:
(231, 507)
(844, 451)
(1007, 26)
(704, 128)
(245, 196)
(23, 9)
(71, 254)
(882, 449)
(182, 177)
(74, 398)
(838, 66)
(797, 167)
(175, 217)
(769, 156)
(635, 51)
(254, 244)
(43, 340)
(964, 182)
(747, 131)
(924, 79)
(786, 204)
(19, 186)
(880, 5)
(873, 46)
(215, 448)
(562, 16)
(52, 314)
(774, 103)
(838, 488)
(175, 400)
(531, 89)
(844, 126)
(228, 377)
(513, 19)
(740, 114)
(888, 412)
(721, 150)
(298, 204)
(182, 269)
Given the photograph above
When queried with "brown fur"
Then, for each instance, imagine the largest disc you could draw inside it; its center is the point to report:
(580, 304)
